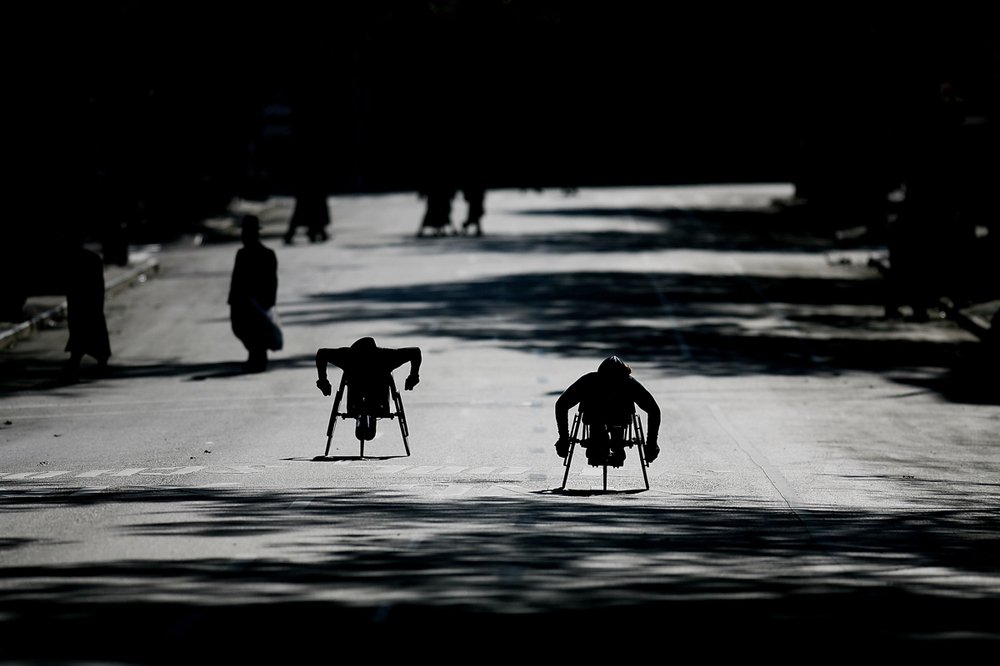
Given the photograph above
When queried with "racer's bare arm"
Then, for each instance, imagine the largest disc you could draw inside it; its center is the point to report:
(324, 357)
(645, 401)
(569, 399)
(411, 355)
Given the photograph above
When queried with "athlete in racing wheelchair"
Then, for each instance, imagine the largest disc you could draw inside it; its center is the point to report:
(607, 400)
(368, 380)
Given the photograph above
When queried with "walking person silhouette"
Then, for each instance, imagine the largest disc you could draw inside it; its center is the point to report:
(88, 328)
(253, 292)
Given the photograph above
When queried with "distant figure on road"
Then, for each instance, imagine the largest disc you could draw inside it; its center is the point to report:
(475, 197)
(607, 400)
(253, 292)
(367, 371)
(437, 214)
(454, 165)
(312, 212)
(88, 329)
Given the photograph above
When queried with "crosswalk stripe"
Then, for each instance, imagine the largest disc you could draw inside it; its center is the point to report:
(422, 469)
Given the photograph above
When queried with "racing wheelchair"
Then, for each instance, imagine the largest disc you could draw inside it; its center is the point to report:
(365, 406)
(627, 435)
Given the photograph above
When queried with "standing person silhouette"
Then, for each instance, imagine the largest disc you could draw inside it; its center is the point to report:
(437, 214)
(253, 292)
(442, 183)
(312, 212)
(607, 400)
(475, 198)
(368, 372)
(88, 328)
(472, 178)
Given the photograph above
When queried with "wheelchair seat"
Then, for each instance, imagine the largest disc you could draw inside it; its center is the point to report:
(368, 396)
(605, 445)
(367, 402)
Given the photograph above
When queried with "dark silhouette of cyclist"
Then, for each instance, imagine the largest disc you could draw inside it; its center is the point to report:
(607, 400)
(368, 373)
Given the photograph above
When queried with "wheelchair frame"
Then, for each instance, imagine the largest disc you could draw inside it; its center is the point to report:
(399, 415)
(634, 437)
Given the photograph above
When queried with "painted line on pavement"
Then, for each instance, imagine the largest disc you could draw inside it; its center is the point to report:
(773, 474)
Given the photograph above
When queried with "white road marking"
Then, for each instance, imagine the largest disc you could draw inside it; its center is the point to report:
(777, 479)
(235, 469)
(391, 469)
(422, 469)
(173, 471)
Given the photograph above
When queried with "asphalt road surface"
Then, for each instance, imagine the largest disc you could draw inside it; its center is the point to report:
(829, 479)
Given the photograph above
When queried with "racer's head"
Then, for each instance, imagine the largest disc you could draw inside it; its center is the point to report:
(364, 345)
(614, 368)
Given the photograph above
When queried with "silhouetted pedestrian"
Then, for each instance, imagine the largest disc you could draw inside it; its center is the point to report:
(475, 198)
(88, 328)
(472, 176)
(311, 212)
(607, 400)
(437, 215)
(253, 292)
(451, 167)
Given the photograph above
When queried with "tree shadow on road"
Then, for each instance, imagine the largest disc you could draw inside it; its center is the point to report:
(678, 323)
(23, 374)
(592, 492)
(380, 564)
(725, 323)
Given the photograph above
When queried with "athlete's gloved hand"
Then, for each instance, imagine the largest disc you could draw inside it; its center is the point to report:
(324, 386)
(411, 381)
(651, 450)
(562, 447)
